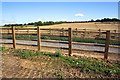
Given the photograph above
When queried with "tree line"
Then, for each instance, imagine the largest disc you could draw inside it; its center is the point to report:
(105, 20)
(40, 23)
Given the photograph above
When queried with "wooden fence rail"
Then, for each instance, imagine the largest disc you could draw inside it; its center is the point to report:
(69, 33)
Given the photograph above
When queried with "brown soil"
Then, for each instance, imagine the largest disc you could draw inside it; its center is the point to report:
(14, 67)
(39, 67)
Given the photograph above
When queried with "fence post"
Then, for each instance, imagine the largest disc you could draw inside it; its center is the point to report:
(107, 44)
(13, 37)
(85, 33)
(62, 31)
(76, 31)
(39, 38)
(49, 32)
(28, 31)
(99, 33)
(8, 31)
(70, 40)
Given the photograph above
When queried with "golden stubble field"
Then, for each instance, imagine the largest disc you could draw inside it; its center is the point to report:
(90, 25)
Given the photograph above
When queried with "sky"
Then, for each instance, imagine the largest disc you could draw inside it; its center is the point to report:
(59, 0)
(25, 12)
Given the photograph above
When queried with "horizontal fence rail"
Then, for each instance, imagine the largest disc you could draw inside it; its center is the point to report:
(69, 34)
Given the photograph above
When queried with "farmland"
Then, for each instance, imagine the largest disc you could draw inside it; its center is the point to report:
(60, 40)
(56, 32)
(91, 25)
(62, 37)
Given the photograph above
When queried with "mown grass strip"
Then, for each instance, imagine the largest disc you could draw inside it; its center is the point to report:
(63, 39)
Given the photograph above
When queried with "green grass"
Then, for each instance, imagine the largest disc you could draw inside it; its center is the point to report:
(3, 49)
(26, 53)
(21, 36)
(58, 53)
(93, 66)
(84, 65)
(89, 65)
(63, 39)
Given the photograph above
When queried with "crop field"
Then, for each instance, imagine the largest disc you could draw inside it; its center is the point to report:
(91, 25)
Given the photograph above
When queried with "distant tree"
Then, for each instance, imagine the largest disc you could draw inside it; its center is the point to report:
(39, 23)
(30, 23)
(25, 24)
(98, 20)
(92, 20)
(115, 19)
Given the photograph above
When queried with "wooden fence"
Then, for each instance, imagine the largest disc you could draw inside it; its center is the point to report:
(69, 33)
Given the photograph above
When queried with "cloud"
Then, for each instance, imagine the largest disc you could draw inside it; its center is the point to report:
(39, 19)
(79, 14)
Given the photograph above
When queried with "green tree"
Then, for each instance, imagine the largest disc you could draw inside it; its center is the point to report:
(39, 23)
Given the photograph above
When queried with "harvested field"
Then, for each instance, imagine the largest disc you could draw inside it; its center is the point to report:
(90, 25)
(85, 26)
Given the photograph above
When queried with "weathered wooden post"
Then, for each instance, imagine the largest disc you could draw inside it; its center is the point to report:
(39, 38)
(62, 31)
(76, 32)
(70, 41)
(107, 44)
(99, 33)
(13, 37)
(49, 32)
(84, 33)
(28, 31)
(8, 31)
